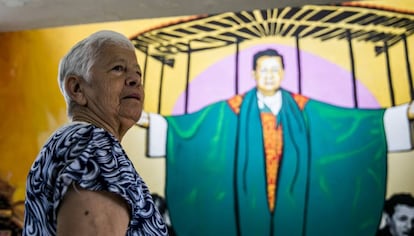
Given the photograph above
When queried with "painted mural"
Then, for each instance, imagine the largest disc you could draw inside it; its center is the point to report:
(279, 121)
(354, 57)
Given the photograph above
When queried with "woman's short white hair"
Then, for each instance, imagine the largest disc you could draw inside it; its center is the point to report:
(81, 57)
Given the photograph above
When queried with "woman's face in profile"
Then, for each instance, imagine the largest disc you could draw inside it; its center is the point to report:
(114, 87)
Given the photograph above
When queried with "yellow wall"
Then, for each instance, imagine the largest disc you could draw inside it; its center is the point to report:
(32, 107)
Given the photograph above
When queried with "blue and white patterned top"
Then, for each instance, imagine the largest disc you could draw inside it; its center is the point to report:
(93, 158)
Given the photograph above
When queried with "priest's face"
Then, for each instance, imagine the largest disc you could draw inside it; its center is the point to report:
(268, 74)
(402, 221)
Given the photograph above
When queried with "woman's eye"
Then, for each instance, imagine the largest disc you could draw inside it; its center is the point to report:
(118, 68)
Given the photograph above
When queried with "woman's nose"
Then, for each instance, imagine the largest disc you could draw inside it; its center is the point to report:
(133, 79)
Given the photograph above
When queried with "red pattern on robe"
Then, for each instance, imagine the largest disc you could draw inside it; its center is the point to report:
(273, 144)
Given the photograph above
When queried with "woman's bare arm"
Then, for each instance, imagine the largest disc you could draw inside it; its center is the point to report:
(84, 212)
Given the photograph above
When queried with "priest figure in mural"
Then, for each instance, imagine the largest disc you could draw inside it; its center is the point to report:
(271, 162)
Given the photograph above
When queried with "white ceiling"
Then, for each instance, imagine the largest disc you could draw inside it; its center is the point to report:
(16, 15)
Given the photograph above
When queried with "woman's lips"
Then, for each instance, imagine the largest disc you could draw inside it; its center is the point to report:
(133, 96)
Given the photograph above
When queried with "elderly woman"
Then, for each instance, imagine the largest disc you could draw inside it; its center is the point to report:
(82, 182)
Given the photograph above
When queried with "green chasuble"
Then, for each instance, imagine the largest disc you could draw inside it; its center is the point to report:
(331, 180)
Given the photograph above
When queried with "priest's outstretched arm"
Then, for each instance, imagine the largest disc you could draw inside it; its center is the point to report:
(398, 125)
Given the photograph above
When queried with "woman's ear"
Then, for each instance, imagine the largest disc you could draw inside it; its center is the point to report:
(386, 218)
(74, 89)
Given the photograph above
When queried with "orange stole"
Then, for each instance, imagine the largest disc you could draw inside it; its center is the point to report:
(235, 103)
(273, 143)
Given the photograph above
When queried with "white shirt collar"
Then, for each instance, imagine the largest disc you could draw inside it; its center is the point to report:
(274, 102)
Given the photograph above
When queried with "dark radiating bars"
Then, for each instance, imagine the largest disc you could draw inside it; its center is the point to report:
(323, 22)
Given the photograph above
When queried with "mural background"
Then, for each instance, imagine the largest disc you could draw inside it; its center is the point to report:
(329, 61)
(32, 107)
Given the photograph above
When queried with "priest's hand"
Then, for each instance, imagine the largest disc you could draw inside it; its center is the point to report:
(143, 120)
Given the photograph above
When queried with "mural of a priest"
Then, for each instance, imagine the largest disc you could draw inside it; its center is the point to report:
(270, 162)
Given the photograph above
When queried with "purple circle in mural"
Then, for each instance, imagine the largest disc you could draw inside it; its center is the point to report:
(320, 79)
